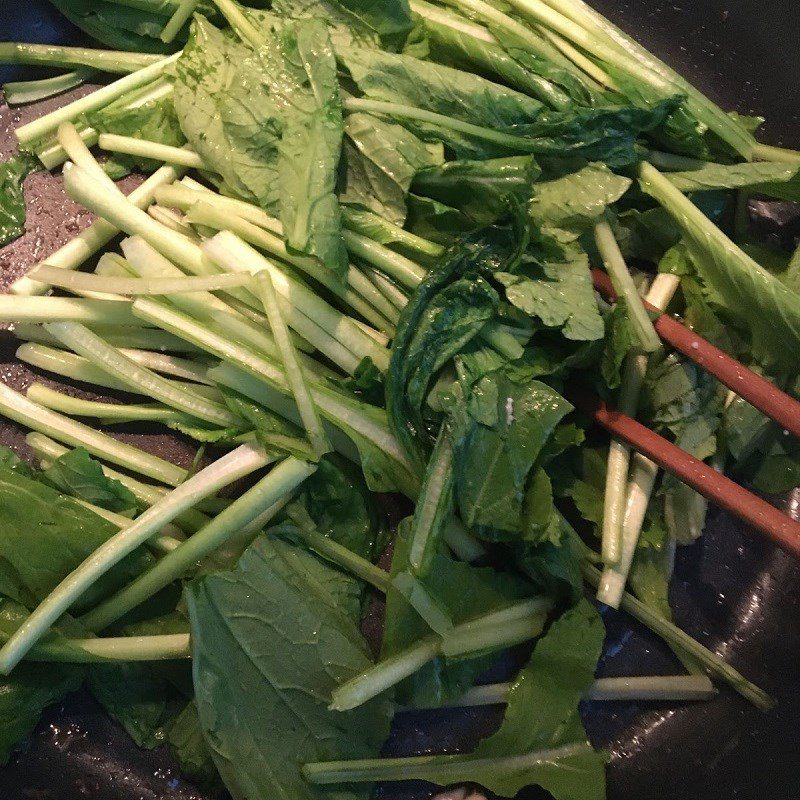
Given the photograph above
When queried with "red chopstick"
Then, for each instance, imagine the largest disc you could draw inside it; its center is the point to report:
(777, 526)
(758, 391)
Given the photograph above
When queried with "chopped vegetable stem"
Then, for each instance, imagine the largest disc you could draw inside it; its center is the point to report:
(265, 495)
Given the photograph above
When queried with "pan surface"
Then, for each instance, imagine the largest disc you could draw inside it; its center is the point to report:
(732, 591)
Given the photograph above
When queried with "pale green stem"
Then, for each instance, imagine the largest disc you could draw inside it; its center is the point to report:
(397, 267)
(182, 14)
(18, 408)
(21, 92)
(50, 55)
(518, 623)
(171, 219)
(516, 143)
(346, 559)
(444, 769)
(625, 287)
(232, 11)
(426, 605)
(49, 122)
(165, 542)
(165, 647)
(385, 674)
(619, 456)
(131, 338)
(231, 253)
(48, 309)
(646, 688)
(78, 152)
(108, 412)
(140, 379)
(156, 151)
(433, 505)
(675, 637)
(281, 480)
(146, 494)
(765, 152)
(291, 366)
(205, 212)
(95, 237)
(134, 286)
(208, 481)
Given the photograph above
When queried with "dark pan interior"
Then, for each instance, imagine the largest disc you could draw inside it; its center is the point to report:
(732, 591)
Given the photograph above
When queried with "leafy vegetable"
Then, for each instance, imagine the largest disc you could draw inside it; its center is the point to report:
(355, 21)
(311, 136)
(464, 592)
(542, 712)
(31, 689)
(279, 601)
(483, 191)
(12, 206)
(501, 427)
(748, 293)
(553, 283)
(45, 536)
(382, 159)
(226, 114)
(76, 473)
(124, 27)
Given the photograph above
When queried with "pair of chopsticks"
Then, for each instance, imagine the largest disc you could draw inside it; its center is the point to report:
(765, 396)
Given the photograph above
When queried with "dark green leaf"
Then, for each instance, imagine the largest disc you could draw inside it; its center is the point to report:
(274, 623)
(483, 191)
(46, 535)
(542, 712)
(77, 474)
(553, 284)
(499, 431)
(381, 161)
(12, 201)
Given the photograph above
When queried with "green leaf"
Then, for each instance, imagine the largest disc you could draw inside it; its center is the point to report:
(77, 474)
(366, 383)
(363, 22)
(756, 175)
(749, 295)
(499, 431)
(483, 191)
(10, 460)
(620, 339)
(686, 401)
(567, 206)
(120, 27)
(185, 736)
(46, 535)
(338, 502)
(542, 713)
(305, 87)
(436, 221)
(381, 160)
(31, 687)
(12, 201)
(448, 309)
(135, 696)
(155, 121)
(515, 68)
(274, 623)
(553, 284)
(226, 112)
(459, 95)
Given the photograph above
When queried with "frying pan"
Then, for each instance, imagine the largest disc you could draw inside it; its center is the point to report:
(732, 591)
